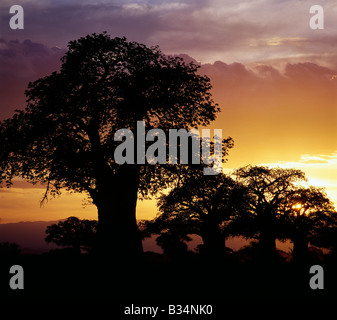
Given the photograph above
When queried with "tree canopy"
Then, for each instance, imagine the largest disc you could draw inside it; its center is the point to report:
(309, 214)
(256, 202)
(202, 205)
(64, 138)
(268, 191)
(73, 232)
(66, 132)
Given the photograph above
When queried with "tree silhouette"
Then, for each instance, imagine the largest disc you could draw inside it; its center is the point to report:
(73, 232)
(310, 214)
(65, 136)
(268, 191)
(202, 205)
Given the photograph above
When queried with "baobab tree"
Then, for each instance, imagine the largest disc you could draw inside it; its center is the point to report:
(309, 213)
(65, 136)
(282, 206)
(202, 205)
(268, 191)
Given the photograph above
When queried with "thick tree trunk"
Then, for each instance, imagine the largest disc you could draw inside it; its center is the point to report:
(267, 238)
(267, 243)
(118, 236)
(300, 249)
(213, 239)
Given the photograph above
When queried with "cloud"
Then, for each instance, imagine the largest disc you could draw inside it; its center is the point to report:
(271, 107)
(309, 72)
(22, 62)
(330, 159)
(320, 169)
(28, 57)
(208, 30)
(315, 161)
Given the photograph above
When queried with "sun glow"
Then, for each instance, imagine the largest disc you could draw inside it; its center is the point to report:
(297, 206)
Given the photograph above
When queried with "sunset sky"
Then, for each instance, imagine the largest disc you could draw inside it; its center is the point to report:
(274, 78)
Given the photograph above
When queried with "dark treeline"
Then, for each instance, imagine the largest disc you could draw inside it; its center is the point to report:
(256, 202)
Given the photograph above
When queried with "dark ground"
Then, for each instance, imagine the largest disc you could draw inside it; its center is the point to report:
(64, 275)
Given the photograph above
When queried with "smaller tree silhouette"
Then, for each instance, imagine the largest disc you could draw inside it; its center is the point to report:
(73, 232)
(202, 205)
(268, 191)
(310, 214)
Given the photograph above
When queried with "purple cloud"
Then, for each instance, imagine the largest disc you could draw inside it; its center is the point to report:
(22, 62)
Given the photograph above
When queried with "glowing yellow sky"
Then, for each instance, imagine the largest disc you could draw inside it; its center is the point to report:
(23, 204)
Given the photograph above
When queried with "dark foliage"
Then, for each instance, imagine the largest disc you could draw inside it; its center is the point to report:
(64, 138)
(73, 232)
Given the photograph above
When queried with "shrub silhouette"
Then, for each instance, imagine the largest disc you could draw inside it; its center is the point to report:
(73, 232)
